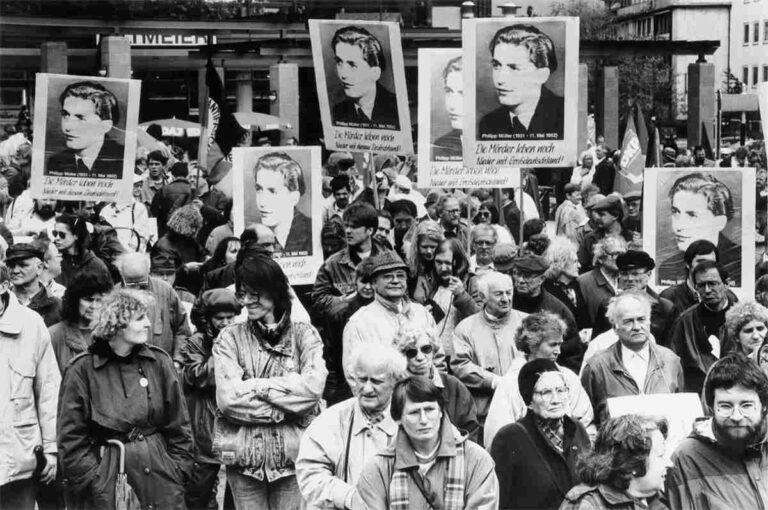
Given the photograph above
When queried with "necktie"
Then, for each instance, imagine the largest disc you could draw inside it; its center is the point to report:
(362, 117)
(518, 126)
(81, 167)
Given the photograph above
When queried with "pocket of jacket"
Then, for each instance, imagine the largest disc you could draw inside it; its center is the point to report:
(23, 392)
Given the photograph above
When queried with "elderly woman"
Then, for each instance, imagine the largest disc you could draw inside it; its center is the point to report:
(73, 335)
(746, 325)
(218, 309)
(123, 389)
(181, 235)
(71, 237)
(560, 279)
(419, 348)
(270, 375)
(626, 469)
(536, 456)
(539, 336)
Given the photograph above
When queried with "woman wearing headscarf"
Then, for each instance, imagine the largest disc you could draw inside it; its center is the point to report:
(123, 389)
(536, 456)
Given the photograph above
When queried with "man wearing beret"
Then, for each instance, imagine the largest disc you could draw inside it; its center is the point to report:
(608, 214)
(530, 297)
(390, 313)
(25, 262)
(635, 268)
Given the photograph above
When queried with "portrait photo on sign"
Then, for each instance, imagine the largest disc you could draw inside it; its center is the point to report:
(520, 80)
(685, 205)
(361, 85)
(85, 137)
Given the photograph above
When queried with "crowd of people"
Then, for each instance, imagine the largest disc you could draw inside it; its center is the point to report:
(457, 349)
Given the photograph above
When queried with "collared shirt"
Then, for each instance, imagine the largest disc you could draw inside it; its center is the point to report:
(524, 113)
(474, 268)
(636, 363)
(612, 281)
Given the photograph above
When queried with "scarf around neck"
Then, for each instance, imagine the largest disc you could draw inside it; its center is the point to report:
(271, 332)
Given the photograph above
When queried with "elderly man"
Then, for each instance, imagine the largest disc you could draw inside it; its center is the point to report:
(601, 282)
(698, 334)
(722, 464)
(484, 343)
(523, 59)
(429, 464)
(170, 329)
(25, 262)
(339, 443)
(28, 395)
(390, 313)
(635, 268)
(52, 269)
(634, 365)
(484, 239)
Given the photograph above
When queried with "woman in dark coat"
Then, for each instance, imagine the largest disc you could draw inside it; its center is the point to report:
(71, 237)
(536, 456)
(73, 335)
(126, 390)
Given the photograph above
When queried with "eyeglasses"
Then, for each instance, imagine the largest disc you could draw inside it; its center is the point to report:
(548, 395)
(58, 233)
(453, 211)
(746, 409)
(244, 296)
(141, 284)
(413, 352)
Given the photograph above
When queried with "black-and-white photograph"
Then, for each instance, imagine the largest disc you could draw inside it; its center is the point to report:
(686, 205)
(446, 104)
(89, 127)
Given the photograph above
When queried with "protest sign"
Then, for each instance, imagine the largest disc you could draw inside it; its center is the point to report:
(275, 186)
(519, 101)
(361, 86)
(441, 106)
(85, 138)
(682, 205)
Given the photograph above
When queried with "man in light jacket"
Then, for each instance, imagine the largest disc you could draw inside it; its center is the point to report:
(29, 388)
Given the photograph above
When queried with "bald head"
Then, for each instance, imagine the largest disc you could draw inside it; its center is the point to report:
(133, 266)
(261, 234)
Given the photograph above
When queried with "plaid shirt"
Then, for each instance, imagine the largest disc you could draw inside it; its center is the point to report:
(553, 432)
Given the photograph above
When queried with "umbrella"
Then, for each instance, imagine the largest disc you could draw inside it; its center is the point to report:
(172, 123)
(261, 121)
(125, 498)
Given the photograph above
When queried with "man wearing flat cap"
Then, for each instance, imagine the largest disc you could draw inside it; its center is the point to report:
(634, 219)
(25, 263)
(608, 214)
(635, 268)
(530, 297)
(391, 312)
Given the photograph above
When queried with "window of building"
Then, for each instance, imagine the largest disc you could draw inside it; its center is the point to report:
(755, 77)
(663, 24)
(765, 32)
(745, 75)
(746, 33)
(756, 32)
(765, 73)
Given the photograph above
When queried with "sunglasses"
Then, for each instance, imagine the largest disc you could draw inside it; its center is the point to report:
(413, 352)
(59, 234)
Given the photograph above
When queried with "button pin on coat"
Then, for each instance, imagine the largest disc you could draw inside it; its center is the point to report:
(143, 382)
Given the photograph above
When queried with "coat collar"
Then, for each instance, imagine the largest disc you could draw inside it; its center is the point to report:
(12, 320)
(387, 425)
(402, 450)
(145, 352)
(615, 497)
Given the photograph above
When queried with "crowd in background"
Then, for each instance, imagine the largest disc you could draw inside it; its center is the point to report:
(458, 348)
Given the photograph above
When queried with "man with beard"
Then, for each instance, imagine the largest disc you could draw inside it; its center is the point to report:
(634, 365)
(30, 222)
(698, 334)
(450, 219)
(722, 464)
(341, 190)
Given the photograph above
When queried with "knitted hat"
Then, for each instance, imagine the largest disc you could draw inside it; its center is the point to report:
(529, 376)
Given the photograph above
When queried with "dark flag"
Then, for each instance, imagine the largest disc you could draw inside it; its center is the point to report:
(653, 159)
(642, 130)
(708, 152)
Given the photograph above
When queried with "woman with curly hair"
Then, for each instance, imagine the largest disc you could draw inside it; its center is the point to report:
(626, 469)
(123, 389)
(560, 279)
(73, 335)
(180, 236)
(746, 326)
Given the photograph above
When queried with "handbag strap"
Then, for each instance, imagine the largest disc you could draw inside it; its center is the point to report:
(432, 497)
(346, 447)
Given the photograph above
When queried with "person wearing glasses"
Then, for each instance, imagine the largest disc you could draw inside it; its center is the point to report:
(170, 329)
(484, 343)
(540, 336)
(390, 313)
(634, 365)
(71, 237)
(601, 282)
(270, 374)
(722, 463)
(488, 214)
(450, 219)
(429, 463)
(339, 443)
(419, 348)
(536, 456)
(699, 332)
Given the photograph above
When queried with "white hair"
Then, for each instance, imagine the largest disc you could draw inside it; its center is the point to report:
(386, 355)
(134, 259)
(491, 277)
(640, 298)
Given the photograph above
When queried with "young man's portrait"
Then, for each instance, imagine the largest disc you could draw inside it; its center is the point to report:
(447, 147)
(88, 115)
(523, 58)
(359, 62)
